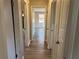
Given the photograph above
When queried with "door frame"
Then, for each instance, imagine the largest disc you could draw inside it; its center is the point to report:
(45, 22)
(53, 10)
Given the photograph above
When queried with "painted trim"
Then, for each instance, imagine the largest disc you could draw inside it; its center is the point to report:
(29, 43)
(22, 57)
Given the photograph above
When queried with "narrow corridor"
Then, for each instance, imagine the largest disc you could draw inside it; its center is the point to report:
(37, 49)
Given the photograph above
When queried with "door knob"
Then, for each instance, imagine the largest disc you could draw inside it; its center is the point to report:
(57, 42)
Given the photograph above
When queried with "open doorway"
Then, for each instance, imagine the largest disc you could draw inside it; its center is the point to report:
(38, 24)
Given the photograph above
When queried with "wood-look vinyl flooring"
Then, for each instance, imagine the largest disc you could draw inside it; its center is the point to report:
(37, 49)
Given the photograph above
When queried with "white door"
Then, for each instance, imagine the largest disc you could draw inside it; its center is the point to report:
(60, 28)
(18, 29)
(56, 30)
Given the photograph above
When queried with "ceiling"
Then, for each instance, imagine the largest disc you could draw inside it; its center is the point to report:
(39, 2)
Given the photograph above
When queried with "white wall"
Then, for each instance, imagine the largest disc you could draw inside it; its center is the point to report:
(70, 48)
(7, 48)
(76, 41)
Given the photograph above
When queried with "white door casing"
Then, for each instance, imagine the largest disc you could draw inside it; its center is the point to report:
(48, 27)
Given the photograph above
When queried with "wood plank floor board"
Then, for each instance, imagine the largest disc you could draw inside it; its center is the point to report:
(37, 50)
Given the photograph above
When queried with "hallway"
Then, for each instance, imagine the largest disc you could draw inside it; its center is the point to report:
(37, 49)
(39, 29)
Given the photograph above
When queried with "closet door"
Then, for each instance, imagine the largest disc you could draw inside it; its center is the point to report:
(62, 8)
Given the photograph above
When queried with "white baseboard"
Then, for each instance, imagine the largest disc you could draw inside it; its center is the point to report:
(29, 43)
(22, 57)
(49, 47)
